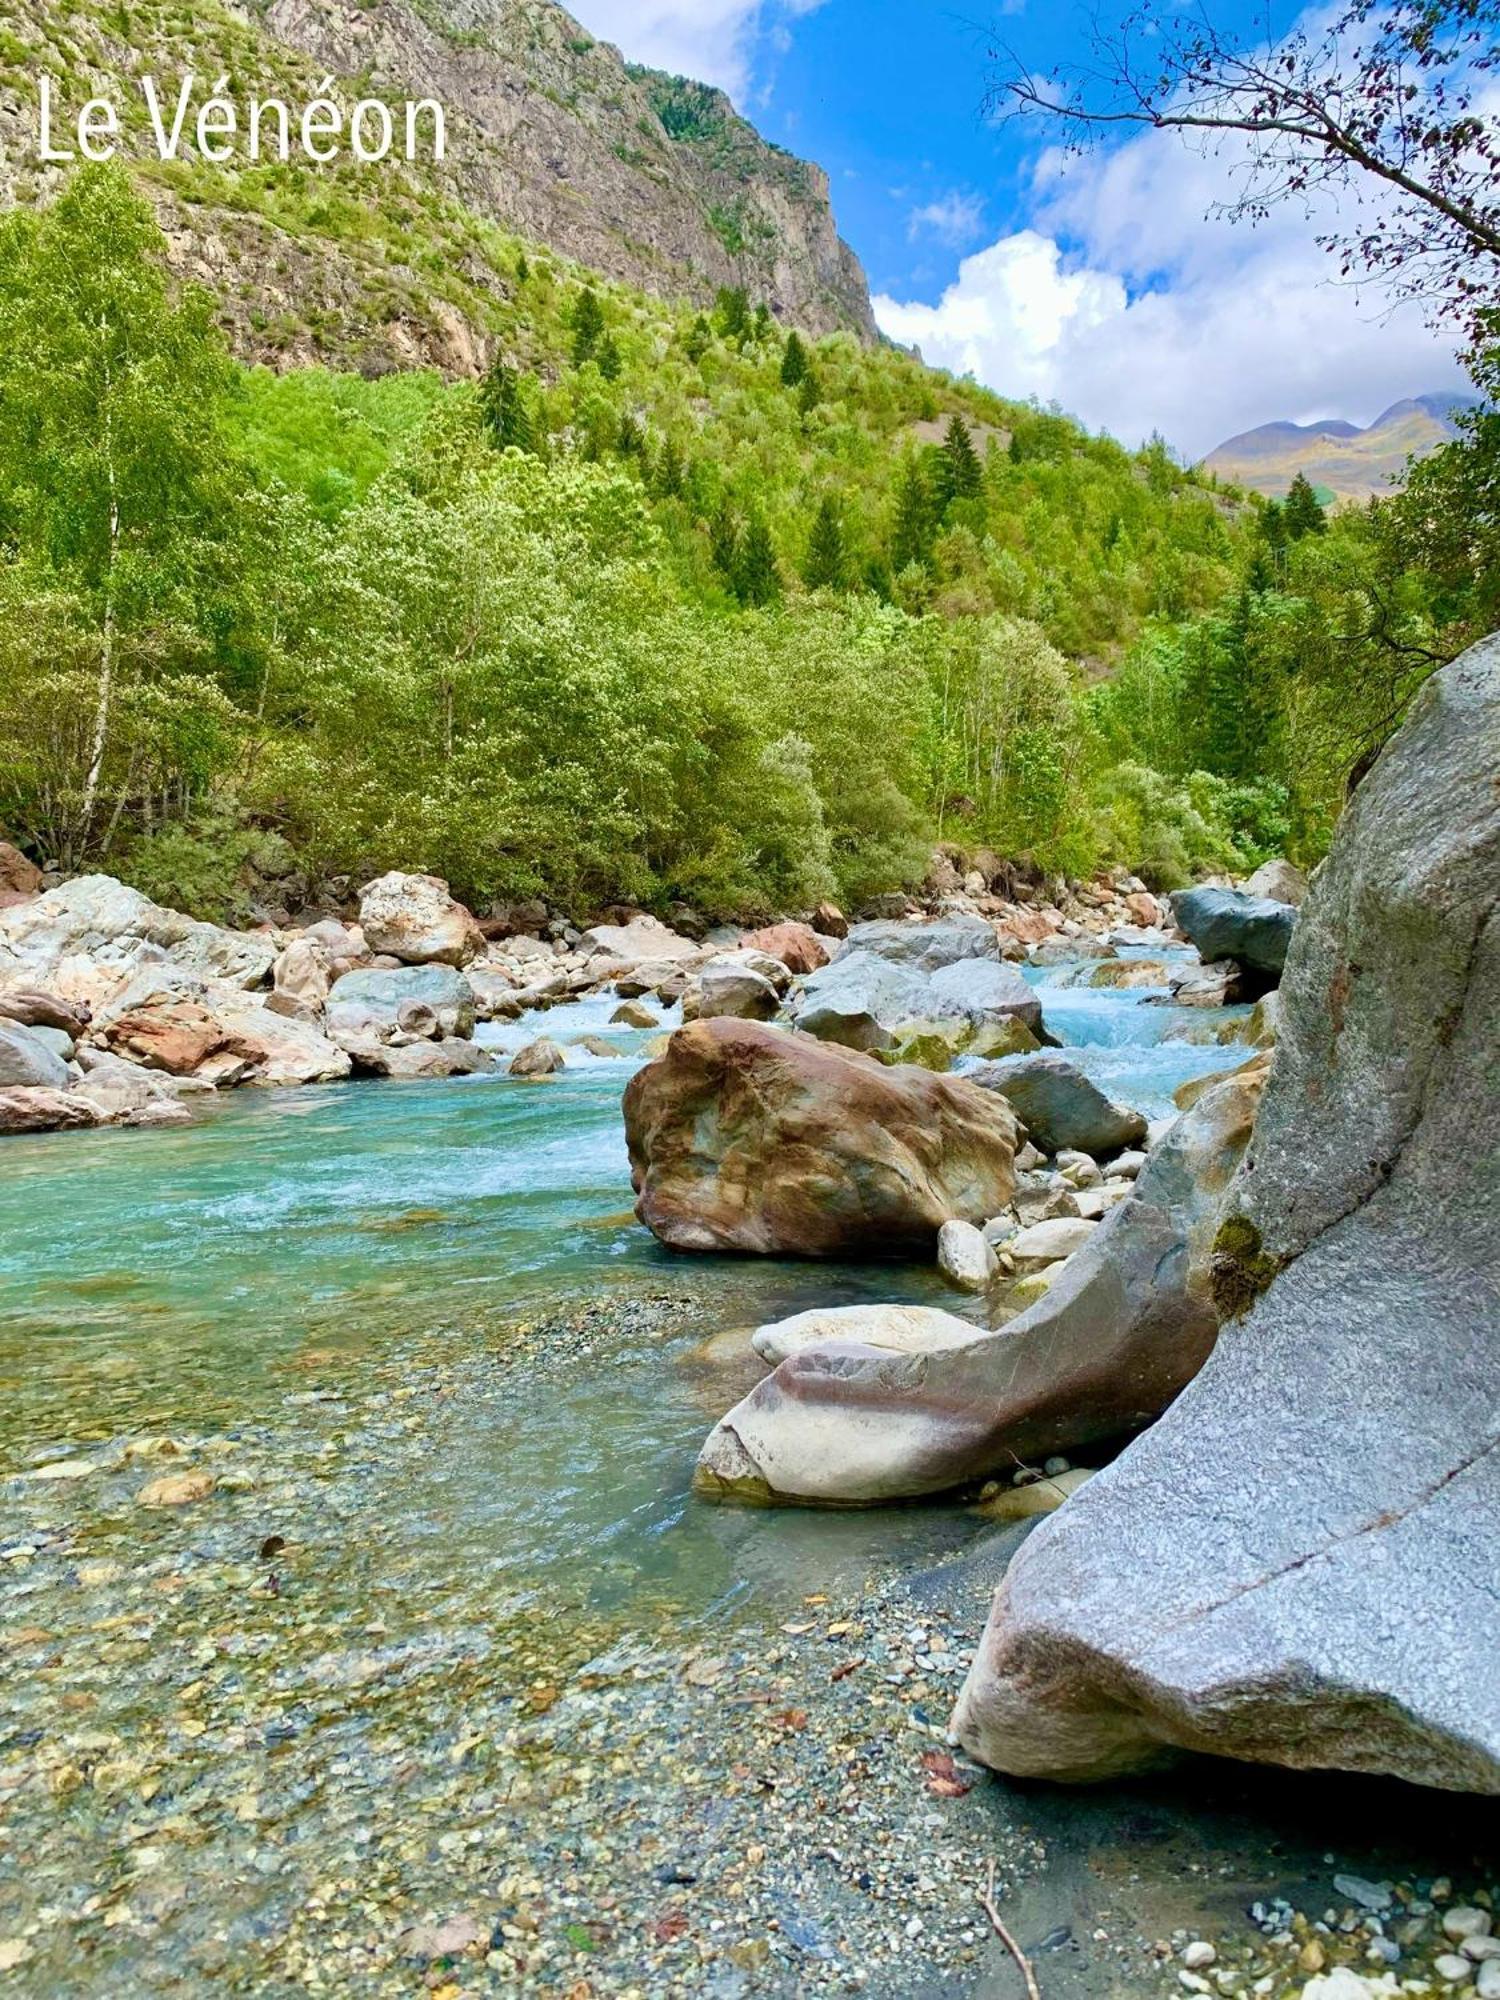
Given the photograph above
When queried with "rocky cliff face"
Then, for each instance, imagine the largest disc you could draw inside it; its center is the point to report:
(646, 178)
(551, 137)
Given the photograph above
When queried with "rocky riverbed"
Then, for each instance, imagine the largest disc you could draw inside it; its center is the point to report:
(281, 1715)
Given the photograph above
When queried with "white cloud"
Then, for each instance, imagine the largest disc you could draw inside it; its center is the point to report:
(1126, 306)
(712, 40)
(954, 218)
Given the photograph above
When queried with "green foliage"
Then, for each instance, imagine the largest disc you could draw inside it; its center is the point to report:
(962, 476)
(826, 566)
(913, 521)
(688, 111)
(1302, 512)
(326, 611)
(1169, 833)
(504, 401)
(757, 577)
(732, 314)
(588, 326)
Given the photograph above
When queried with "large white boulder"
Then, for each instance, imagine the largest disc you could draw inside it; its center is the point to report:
(85, 939)
(413, 918)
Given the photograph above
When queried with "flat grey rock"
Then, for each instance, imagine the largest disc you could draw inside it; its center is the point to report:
(1226, 923)
(1059, 1106)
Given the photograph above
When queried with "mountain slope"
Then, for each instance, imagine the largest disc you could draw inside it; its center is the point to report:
(552, 139)
(1344, 462)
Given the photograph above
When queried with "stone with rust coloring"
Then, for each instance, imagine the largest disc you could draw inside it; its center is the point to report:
(798, 946)
(751, 1138)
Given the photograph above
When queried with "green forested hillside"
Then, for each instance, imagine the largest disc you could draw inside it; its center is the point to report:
(668, 605)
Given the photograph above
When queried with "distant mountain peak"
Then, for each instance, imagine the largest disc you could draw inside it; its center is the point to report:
(1342, 460)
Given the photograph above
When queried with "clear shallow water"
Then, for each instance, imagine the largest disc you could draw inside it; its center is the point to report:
(448, 1619)
(202, 1276)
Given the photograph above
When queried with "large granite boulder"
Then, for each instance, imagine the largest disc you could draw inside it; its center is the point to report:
(300, 980)
(27, 1062)
(171, 1021)
(1279, 882)
(985, 989)
(743, 985)
(1226, 923)
(897, 1329)
(926, 947)
(643, 941)
(798, 946)
(413, 918)
(750, 1138)
(1122, 1329)
(441, 1057)
(865, 1000)
(1297, 1564)
(87, 938)
(1059, 1106)
(34, 1008)
(365, 1007)
(861, 1002)
(34, 1108)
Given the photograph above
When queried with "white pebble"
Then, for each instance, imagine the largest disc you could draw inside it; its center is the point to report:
(1466, 1922)
(1453, 1968)
(1200, 1954)
(1487, 1985)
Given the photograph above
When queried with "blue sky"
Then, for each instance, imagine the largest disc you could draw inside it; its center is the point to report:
(1100, 283)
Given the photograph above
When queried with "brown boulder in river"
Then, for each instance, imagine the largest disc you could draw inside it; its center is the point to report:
(749, 1138)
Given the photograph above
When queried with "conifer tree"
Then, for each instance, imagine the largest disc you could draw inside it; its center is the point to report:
(827, 563)
(1303, 513)
(762, 326)
(758, 578)
(1274, 533)
(912, 526)
(631, 440)
(699, 339)
(724, 541)
(733, 313)
(607, 358)
(809, 394)
(669, 474)
(588, 326)
(793, 360)
(962, 473)
(523, 268)
(503, 402)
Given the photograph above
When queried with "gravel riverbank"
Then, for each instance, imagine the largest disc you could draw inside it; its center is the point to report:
(271, 1727)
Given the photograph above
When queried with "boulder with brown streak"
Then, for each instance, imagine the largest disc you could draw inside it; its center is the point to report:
(749, 1138)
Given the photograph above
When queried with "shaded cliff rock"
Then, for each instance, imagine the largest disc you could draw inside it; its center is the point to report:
(650, 179)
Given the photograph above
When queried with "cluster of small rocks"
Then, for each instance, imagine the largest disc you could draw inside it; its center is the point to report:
(1057, 1207)
(1377, 1941)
